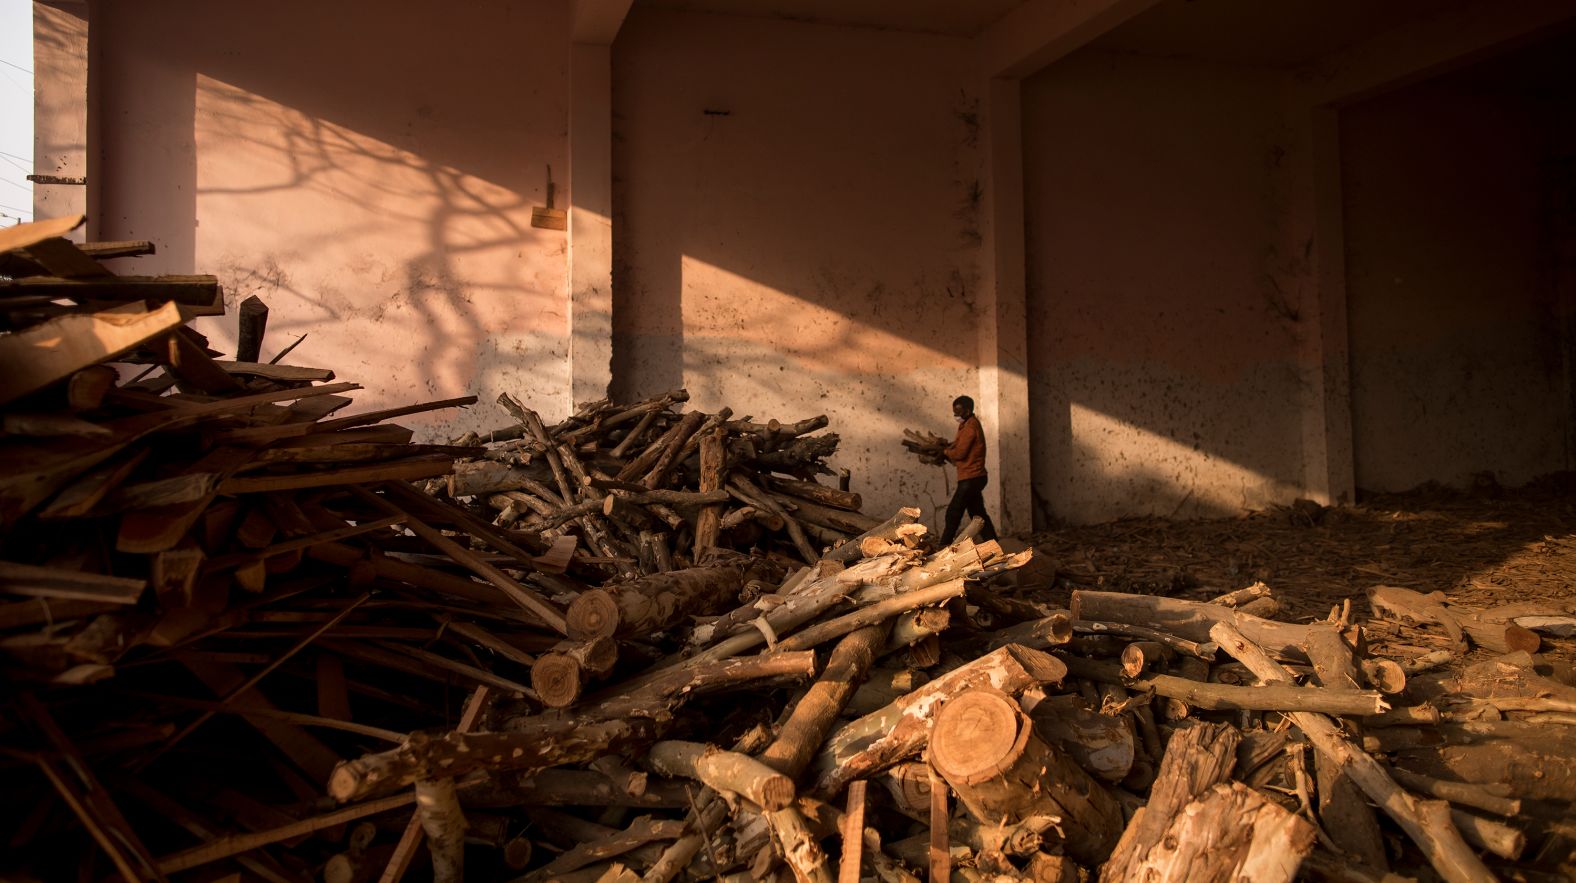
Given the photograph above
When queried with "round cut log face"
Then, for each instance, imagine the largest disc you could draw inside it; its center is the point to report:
(977, 736)
(592, 615)
(557, 679)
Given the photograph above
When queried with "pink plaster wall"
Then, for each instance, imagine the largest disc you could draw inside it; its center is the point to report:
(368, 168)
(1162, 348)
(812, 247)
(1456, 360)
(60, 117)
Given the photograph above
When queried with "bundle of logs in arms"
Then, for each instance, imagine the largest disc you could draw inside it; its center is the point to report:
(244, 637)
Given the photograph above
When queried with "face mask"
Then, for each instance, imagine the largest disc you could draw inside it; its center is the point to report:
(959, 419)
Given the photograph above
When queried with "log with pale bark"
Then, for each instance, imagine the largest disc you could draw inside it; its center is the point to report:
(1004, 774)
(1189, 620)
(618, 722)
(1343, 811)
(881, 739)
(1427, 822)
(1198, 757)
(1230, 833)
(653, 603)
(1219, 697)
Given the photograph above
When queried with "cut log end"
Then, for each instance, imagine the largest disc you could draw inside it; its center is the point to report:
(777, 792)
(976, 736)
(592, 615)
(347, 781)
(558, 679)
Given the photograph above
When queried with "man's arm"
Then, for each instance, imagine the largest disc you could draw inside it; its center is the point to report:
(968, 436)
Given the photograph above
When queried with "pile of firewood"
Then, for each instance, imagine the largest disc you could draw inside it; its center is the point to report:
(243, 638)
(649, 489)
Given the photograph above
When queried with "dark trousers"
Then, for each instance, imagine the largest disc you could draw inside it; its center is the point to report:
(968, 498)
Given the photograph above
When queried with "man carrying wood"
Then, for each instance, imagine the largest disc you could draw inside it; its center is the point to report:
(967, 454)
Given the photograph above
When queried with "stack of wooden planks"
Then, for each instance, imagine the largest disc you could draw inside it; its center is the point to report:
(244, 637)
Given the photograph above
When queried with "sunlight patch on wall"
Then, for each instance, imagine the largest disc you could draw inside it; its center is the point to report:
(770, 354)
(1158, 474)
(432, 275)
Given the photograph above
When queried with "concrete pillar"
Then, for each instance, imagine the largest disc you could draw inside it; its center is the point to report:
(60, 108)
(1329, 473)
(590, 221)
(1003, 404)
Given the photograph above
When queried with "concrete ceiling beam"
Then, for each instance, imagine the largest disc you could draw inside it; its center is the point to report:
(1039, 32)
(596, 22)
(1428, 47)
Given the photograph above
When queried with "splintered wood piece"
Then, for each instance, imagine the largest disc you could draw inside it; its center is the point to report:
(33, 232)
(195, 290)
(940, 834)
(986, 748)
(1198, 757)
(853, 831)
(886, 530)
(1230, 833)
(72, 584)
(188, 361)
(1496, 837)
(278, 373)
(86, 389)
(432, 509)
(799, 846)
(1428, 823)
(713, 470)
(252, 317)
(49, 351)
(121, 248)
(1041, 634)
(1204, 650)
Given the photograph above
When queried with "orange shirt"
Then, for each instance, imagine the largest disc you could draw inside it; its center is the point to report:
(967, 451)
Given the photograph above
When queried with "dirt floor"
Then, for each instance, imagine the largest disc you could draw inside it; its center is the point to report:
(1481, 549)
